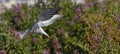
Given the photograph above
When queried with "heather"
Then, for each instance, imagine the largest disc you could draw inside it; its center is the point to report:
(91, 28)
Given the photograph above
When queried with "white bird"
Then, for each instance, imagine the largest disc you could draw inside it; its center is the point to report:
(47, 18)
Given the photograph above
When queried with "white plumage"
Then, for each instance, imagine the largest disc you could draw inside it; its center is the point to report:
(50, 21)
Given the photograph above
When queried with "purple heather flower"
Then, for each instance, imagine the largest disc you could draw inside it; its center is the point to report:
(96, 25)
(55, 43)
(58, 52)
(35, 39)
(16, 7)
(17, 19)
(118, 19)
(69, 22)
(93, 46)
(115, 14)
(45, 51)
(2, 51)
(77, 18)
(18, 33)
(90, 4)
(96, 39)
(78, 11)
(59, 31)
(75, 51)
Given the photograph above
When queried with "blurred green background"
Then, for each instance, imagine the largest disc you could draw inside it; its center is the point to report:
(90, 28)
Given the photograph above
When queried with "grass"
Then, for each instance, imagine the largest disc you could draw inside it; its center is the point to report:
(93, 28)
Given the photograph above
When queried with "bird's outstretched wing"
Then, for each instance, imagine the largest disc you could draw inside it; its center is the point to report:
(46, 23)
(46, 15)
(50, 21)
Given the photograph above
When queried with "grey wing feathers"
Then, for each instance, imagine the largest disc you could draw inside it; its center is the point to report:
(49, 13)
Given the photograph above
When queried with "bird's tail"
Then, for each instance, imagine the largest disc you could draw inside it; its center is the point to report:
(23, 35)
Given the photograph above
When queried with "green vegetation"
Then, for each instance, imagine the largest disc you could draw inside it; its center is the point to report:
(92, 28)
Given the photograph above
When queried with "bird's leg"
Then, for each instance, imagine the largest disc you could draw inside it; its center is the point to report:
(43, 32)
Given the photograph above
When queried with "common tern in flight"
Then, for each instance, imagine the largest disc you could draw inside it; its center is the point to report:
(45, 19)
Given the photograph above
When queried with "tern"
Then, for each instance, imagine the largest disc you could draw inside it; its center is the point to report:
(45, 19)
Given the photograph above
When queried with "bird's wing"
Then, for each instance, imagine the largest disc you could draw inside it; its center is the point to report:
(50, 21)
(46, 15)
(46, 18)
